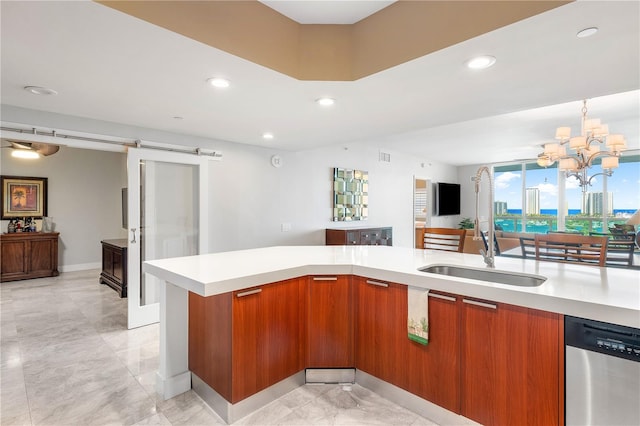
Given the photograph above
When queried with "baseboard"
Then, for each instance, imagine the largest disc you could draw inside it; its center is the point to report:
(232, 412)
(411, 402)
(80, 267)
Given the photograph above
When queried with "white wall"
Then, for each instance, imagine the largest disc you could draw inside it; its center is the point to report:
(250, 199)
(83, 199)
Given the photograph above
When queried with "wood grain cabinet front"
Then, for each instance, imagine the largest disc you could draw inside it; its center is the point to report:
(383, 349)
(26, 255)
(243, 342)
(330, 322)
(512, 361)
(381, 329)
(493, 363)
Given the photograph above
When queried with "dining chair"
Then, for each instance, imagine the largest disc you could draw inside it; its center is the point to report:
(496, 246)
(571, 248)
(620, 247)
(445, 239)
(528, 247)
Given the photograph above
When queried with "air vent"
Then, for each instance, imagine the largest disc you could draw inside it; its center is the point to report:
(384, 156)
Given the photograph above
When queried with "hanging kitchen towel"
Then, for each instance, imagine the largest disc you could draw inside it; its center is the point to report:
(418, 315)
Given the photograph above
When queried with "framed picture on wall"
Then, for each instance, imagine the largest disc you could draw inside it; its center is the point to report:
(23, 197)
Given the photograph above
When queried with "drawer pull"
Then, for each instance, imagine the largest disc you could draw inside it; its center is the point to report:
(481, 304)
(325, 278)
(248, 293)
(379, 284)
(442, 296)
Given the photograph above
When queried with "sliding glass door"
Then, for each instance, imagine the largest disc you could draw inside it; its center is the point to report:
(167, 203)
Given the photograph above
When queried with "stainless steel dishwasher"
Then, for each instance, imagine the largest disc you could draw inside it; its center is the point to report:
(602, 370)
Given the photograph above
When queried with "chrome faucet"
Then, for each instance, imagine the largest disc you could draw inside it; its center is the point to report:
(488, 255)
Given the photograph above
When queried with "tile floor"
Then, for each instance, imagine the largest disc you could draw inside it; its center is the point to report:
(68, 359)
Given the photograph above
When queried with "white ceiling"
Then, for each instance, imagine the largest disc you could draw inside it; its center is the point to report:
(327, 11)
(110, 66)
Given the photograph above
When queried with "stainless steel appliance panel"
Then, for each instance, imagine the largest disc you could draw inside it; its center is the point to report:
(601, 389)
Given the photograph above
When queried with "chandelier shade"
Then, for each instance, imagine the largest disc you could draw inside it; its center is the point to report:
(583, 150)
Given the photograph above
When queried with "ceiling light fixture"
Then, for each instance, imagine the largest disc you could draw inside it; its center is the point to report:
(37, 90)
(325, 101)
(587, 32)
(587, 149)
(481, 62)
(24, 153)
(267, 135)
(219, 82)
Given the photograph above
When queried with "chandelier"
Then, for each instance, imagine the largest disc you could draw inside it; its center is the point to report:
(584, 150)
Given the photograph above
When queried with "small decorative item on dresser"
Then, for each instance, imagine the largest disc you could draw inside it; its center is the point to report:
(11, 227)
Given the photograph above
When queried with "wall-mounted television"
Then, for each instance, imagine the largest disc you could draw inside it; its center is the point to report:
(447, 199)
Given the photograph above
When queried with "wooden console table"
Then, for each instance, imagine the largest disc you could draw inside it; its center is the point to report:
(25, 255)
(114, 265)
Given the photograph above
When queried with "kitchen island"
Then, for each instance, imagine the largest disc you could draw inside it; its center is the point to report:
(604, 294)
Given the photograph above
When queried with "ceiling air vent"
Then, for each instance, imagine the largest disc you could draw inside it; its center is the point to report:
(384, 157)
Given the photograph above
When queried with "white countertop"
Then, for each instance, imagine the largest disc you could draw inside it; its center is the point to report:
(604, 294)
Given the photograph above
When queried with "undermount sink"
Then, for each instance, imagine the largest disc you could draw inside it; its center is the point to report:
(493, 276)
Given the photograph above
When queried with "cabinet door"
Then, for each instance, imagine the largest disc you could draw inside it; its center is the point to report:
(511, 365)
(41, 259)
(266, 344)
(366, 237)
(118, 265)
(381, 329)
(434, 370)
(14, 256)
(107, 260)
(353, 238)
(330, 324)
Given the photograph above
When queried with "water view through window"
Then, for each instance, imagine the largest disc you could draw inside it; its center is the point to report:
(548, 198)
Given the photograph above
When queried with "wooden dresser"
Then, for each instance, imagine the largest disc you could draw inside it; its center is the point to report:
(114, 265)
(25, 255)
(360, 236)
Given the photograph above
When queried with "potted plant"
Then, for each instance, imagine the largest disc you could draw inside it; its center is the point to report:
(465, 223)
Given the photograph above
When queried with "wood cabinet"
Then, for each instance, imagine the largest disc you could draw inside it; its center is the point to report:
(512, 361)
(26, 255)
(329, 322)
(360, 236)
(381, 329)
(434, 369)
(494, 363)
(384, 350)
(114, 265)
(243, 342)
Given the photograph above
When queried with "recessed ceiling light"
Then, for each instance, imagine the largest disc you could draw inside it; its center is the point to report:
(587, 32)
(24, 153)
(219, 82)
(325, 101)
(267, 135)
(37, 90)
(481, 62)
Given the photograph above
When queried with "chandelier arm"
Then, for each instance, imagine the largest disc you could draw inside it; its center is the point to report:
(593, 156)
(568, 174)
(607, 173)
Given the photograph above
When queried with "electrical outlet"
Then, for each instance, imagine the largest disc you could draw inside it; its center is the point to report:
(285, 227)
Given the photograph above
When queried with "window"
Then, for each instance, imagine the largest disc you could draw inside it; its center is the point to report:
(528, 197)
(508, 197)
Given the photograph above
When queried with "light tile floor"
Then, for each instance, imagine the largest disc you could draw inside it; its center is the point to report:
(68, 359)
